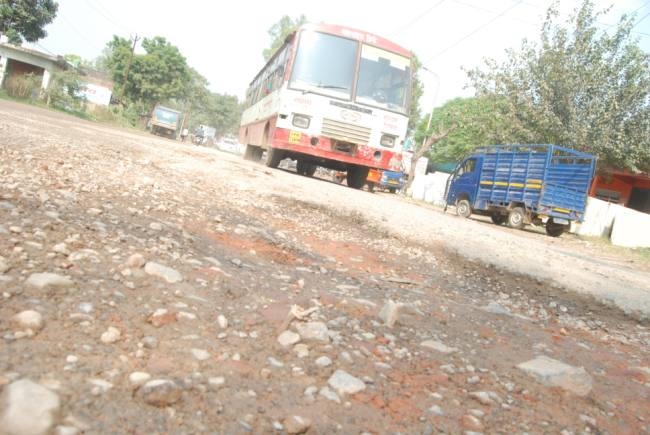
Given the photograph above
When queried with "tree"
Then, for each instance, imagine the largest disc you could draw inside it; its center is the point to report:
(279, 32)
(160, 74)
(24, 19)
(580, 87)
(416, 92)
(479, 122)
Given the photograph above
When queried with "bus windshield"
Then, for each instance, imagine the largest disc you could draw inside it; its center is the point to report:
(383, 79)
(326, 64)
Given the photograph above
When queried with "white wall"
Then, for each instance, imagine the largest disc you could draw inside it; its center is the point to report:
(430, 187)
(631, 229)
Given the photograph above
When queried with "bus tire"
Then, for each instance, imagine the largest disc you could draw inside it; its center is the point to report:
(463, 208)
(249, 152)
(516, 218)
(305, 168)
(356, 176)
(273, 157)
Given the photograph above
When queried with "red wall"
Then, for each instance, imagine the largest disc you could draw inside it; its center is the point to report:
(620, 182)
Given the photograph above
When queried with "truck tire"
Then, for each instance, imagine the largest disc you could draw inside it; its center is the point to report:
(463, 208)
(553, 229)
(516, 218)
(273, 157)
(498, 218)
(356, 177)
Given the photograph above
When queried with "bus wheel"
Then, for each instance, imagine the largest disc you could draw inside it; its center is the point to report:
(357, 176)
(273, 157)
(249, 153)
(306, 169)
(498, 218)
(516, 218)
(553, 229)
(463, 209)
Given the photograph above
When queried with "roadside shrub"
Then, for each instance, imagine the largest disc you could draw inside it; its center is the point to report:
(26, 86)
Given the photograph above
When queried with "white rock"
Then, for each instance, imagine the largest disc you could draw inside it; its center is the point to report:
(155, 226)
(200, 354)
(296, 424)
(111, 335)
(47, 280)
(4, 266)
(389, 313)
(138, 379)
(29, 319)
(100, 386)
(28, 409)
(437, 346)
(316, 331)
(554, 373)
(344, 383)
(136, 261)
(288, 338)
(324, 361)
(222, 321)
(329, 394)
(301, 350)
(217, 382)
(167, 273)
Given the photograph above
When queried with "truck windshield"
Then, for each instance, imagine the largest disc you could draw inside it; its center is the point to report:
(166, 116)
(324, 64)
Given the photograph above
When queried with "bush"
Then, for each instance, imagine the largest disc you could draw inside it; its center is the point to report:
(26, 86)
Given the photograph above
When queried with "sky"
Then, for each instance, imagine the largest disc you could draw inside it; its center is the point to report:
(224, 41)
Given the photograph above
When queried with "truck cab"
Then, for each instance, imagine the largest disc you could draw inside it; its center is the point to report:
(464, 182)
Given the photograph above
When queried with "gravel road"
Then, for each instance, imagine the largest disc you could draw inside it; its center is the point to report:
(155, 287)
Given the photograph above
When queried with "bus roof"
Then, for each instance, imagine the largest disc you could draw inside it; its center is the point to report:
(359, 35)
(346, 32)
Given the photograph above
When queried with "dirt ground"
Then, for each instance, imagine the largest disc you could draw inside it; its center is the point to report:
(154, 287)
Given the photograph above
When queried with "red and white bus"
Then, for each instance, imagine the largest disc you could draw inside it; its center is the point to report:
(331, 96)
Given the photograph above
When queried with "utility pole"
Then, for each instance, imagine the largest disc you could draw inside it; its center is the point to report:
(128, 68)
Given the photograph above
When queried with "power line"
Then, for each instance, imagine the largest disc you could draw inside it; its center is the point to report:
(416, 19)
(473, 32)
(74, 29)
(106, 15)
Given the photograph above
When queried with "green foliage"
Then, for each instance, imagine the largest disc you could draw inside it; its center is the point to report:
(160, 74)
(63, 91)
(478, 122)
(279, 32)
(580, 87)
(417, 90)
(24, 19)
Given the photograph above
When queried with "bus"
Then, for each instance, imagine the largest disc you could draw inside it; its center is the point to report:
(330, 96)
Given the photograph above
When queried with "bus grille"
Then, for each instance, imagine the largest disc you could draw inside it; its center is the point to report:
(345, 132)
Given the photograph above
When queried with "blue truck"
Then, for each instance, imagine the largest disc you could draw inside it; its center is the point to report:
(523, 184)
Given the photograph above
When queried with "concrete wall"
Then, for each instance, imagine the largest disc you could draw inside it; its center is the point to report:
(631, 229)
(430, 187)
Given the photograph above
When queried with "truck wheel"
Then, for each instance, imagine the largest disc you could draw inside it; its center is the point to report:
(498, 218)
(553, 229)
(516, 218)
(273, 157)
(463, 209)
(306, 169)
(392, 190)
(356, 177)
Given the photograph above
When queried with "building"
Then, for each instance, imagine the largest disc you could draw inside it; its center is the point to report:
(17, 61)
(624, 188)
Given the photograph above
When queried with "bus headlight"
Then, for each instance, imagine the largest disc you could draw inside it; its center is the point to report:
(387, 141)
(300, 121)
